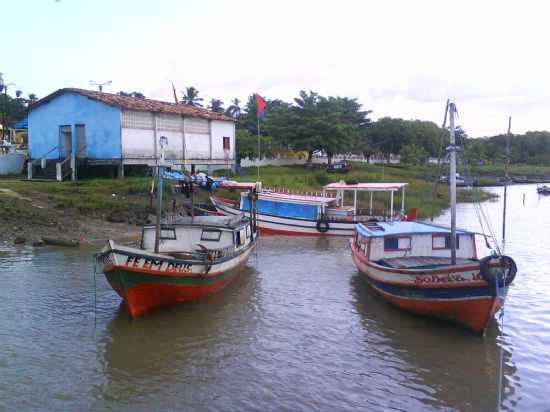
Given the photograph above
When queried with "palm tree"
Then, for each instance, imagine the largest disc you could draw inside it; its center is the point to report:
(32, 98)
(18, 93)
(235, 109)
(216, 105)
(191, 97)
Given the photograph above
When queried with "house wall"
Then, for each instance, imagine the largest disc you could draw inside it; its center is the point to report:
(102, 124)
(190, 140)
(219, 131)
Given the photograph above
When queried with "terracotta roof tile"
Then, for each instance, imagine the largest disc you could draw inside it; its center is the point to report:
(135, 103)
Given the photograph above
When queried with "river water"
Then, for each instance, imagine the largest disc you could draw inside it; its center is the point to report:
(298, 331)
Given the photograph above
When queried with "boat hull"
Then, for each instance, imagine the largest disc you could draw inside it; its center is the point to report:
(453, 293)
(275, 225)
(144, 286)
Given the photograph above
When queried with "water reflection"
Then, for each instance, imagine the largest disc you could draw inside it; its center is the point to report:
(458, 370)
(177, 348)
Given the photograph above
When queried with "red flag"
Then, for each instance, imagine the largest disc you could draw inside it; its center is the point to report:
(260, 106)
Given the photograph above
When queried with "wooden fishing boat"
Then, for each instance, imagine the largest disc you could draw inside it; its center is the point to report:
(198, 256)
(410, 265)
(433, 270)
(180, 258)
(307, 214)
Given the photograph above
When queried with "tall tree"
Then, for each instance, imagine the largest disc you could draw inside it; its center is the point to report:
(216, 105)
(234, 110)
(191, 97)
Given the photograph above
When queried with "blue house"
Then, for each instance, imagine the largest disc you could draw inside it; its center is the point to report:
(72, 127)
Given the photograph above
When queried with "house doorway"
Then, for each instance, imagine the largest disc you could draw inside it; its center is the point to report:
(66, 137)
(80, 131)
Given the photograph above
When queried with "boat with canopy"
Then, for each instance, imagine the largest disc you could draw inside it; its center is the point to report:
(433, 270)
(317, 214)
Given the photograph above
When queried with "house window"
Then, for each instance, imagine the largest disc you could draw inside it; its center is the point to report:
(397, 243)
(443, 242)
(168, 233)
(226, 143)
(211, 235)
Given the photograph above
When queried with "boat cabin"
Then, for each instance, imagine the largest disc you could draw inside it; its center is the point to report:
(222, 234)
(386, 242)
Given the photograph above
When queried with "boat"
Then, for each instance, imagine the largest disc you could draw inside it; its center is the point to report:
(315, 214)
(543, 190)
(11, 160)
(433, 270)
(198, 256)
(180, 258)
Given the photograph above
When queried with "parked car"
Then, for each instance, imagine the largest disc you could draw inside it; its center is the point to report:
(339, 167)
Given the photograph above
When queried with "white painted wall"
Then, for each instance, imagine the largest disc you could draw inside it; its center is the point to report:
(421, 245)
(188, 138)
(137, 143)
(219, 130)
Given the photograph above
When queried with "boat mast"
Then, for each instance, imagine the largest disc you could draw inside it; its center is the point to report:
(506, 162)
(452, 180)
(163, 141)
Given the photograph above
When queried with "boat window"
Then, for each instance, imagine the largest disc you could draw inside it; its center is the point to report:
(397, 243)
(211, 235)
(444, 241)
(168, 233)
(242, 237)
(248, 232)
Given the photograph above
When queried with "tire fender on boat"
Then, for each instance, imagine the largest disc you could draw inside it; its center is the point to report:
(504, 275)
(322, 226)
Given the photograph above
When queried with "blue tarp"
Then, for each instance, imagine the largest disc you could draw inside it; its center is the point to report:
(282, 209)
(22, 123)
(200, 179)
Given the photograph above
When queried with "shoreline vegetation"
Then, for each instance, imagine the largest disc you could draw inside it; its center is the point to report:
(93, 210)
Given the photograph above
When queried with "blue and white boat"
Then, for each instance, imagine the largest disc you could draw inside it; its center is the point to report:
(309, 214)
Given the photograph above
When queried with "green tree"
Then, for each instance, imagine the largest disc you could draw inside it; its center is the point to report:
(234, 110)
(191, 97)
(247, 145)
(216, 105)
(413, 154)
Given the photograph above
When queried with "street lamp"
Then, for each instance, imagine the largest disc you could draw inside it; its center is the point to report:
(100, 85)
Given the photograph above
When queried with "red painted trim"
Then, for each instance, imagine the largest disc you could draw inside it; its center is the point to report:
(475, 314)
(149, 295)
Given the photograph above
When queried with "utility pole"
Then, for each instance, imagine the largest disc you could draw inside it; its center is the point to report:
(4, 86)
(100, 85)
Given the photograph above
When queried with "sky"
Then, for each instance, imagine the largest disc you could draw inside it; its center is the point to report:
(398, 58)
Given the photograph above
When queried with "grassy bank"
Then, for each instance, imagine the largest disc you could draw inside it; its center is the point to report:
(73, 208)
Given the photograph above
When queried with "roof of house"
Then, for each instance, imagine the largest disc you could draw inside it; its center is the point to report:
(135, 103)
